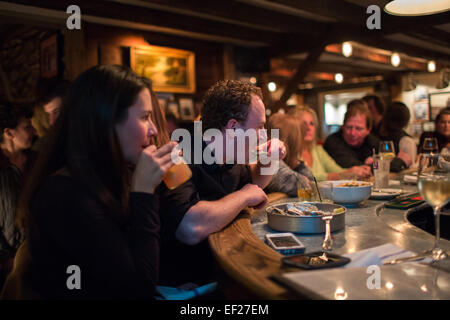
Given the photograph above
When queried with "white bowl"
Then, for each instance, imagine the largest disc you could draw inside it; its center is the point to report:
(350, 195)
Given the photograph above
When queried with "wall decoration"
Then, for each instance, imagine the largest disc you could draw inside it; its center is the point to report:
(421, 110)
(187, 109)
(49, 57)
(172, 107)
(171, 70)
(438, 100)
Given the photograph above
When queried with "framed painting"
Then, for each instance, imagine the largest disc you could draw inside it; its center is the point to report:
(438, 101)
(186, 109)
(171, 70)
(49, 57)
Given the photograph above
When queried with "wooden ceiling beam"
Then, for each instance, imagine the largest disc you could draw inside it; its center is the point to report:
(162, 19)
(302, 70)
(236, 13)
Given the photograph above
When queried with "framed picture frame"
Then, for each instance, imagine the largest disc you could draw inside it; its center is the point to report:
(49, 57)
(421, 110)
(171, 70)
(187, 111)
(438, 101)
(172, 107)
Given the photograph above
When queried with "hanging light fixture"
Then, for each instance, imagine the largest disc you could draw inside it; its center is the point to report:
(431, 66)
(395, 59)
(347, 49)
(416, 7)
(272, 86)
(338, 77)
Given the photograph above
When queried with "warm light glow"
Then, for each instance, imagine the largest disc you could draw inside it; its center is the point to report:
(268, 112)
(431, 66)
(416, 7)
(395, 60)
(389, 285)
(424, 288)
(338, 77)
(347, 49)
(253, 80)
(340, 294)
(272, 86)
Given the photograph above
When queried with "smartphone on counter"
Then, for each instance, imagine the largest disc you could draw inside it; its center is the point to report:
(285, 243)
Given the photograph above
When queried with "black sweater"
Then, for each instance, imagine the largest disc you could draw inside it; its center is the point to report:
(72, 228)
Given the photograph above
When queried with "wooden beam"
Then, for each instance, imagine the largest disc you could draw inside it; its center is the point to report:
(234, 12)
(162, 19)
(303, 69)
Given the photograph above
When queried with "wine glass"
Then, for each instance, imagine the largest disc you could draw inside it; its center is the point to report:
(386, 150)
(430, 145)
(434, 186)
(430, 152)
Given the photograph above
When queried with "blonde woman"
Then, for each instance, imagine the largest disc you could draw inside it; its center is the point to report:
(292, 171)
(315, 157)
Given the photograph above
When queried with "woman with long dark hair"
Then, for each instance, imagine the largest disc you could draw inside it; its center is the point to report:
(16, 160)
(93, 223)
(395, 120)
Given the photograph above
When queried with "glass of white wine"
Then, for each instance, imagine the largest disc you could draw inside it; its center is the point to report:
(386, 150)
(434, 186)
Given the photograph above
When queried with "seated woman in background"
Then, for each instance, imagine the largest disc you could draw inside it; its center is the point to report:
(316, 158)
(83, 206)
(292, 171)
(395, 120)
(441, 131)
(16, 159)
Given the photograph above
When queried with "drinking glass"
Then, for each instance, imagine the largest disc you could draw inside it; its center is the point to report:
(177, 175)
(430, 145)
(386, 150)
(434, 186)
(305, 193)
(326, 191)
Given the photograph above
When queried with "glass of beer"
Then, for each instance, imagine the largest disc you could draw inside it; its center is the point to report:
(177, 175)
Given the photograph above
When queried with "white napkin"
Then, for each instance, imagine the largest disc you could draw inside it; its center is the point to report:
(376, 255)
(410, 178)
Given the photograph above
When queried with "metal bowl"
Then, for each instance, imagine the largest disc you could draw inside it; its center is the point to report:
(305, 224)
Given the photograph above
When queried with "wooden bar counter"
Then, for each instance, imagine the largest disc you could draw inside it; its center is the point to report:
(241, 252)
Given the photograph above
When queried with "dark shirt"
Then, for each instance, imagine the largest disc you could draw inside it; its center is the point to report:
(347, 156)
(396, 164)
(181, 263)
(11, 182)
(442, 140)
(71, 227)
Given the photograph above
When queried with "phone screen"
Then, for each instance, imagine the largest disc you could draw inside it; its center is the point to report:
(284, 241)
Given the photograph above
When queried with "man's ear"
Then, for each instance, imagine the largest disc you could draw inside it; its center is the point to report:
(231, 124)
(8, 133)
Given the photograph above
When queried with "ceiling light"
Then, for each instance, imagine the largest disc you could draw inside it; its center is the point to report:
(395, 60)
(416, 7)
(272, 86)
(347, 49)
(431, 66)
(338, 77)
(253, 80)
